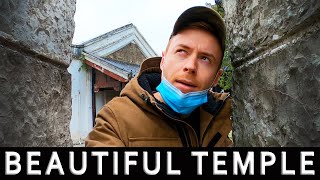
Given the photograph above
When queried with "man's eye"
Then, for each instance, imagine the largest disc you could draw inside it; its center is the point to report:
(181, 51)
(205, 58)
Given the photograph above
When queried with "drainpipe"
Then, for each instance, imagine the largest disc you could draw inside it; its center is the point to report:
(93, 97)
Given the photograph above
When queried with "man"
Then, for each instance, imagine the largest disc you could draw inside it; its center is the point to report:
(168, 103)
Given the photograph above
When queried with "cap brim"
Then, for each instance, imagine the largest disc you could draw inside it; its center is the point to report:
(202, 14)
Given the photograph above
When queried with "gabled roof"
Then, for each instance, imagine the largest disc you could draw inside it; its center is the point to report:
(128, 67)
(96, 49)
(116, 39)
(119, 70)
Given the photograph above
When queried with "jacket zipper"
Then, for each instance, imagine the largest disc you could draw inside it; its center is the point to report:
(186, 138)
(182, 135)
(184, 130)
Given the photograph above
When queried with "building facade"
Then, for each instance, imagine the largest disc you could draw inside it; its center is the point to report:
(100, 68)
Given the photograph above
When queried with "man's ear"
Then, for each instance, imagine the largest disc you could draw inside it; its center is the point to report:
(162, 61)
(216, 79)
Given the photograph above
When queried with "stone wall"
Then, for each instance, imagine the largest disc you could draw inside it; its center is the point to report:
(275, 49)
(35, 87)
(130, 53)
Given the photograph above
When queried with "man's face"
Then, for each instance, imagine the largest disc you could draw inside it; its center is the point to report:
(191, 61)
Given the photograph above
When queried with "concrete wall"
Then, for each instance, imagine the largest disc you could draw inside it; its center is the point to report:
(275, 48)
(35, 87)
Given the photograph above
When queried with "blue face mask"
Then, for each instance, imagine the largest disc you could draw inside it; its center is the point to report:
(179, 102)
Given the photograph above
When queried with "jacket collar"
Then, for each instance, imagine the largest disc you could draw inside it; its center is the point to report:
(150, 65)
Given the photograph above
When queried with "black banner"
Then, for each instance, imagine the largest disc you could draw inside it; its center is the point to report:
(159, 161)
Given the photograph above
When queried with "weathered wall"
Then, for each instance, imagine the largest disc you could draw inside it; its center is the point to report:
(130, 53)
(275, 48)
(35, 94)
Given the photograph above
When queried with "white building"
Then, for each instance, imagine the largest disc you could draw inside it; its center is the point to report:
(100, 69)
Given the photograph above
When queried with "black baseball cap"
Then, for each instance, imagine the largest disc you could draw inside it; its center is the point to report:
(202, 14)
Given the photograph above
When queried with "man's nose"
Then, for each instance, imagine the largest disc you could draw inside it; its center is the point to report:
(190, 65)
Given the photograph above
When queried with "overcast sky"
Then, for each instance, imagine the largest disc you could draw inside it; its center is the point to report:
(153, 18)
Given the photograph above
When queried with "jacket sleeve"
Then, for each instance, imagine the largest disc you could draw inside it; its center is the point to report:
(106, 131)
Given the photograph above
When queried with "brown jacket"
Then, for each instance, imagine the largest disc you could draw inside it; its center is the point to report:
(137, 119)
